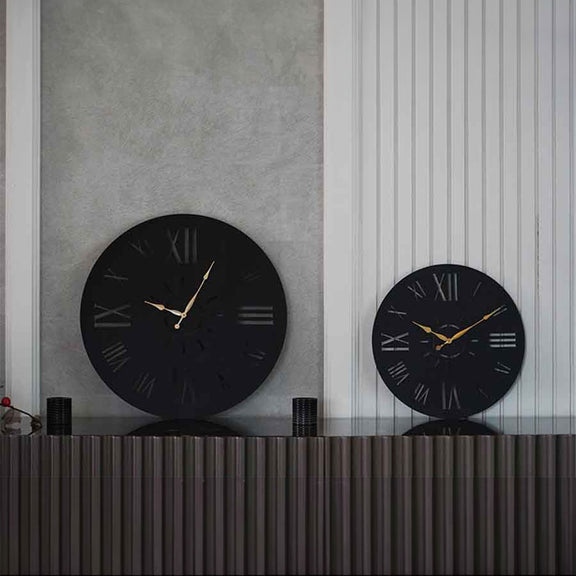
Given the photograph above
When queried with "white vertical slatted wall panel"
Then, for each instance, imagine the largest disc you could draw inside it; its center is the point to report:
(466, 154)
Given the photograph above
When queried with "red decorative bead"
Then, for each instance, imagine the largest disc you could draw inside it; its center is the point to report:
(6, 401)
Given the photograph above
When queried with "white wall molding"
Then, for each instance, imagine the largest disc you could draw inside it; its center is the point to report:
(23, 202)
(449, 137)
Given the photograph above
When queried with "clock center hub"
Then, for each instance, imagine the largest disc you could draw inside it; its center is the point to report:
(455, 349)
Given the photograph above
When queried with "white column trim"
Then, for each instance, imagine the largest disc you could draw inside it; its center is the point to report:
(341, 205)
(23, 203)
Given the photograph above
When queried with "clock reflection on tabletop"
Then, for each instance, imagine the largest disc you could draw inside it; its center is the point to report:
(451, 428)
(184, 427)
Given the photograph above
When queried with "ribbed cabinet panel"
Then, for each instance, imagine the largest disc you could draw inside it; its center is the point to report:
(338, 505)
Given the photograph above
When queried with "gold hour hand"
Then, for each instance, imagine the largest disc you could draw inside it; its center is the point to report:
(163, 308)
(429, 330)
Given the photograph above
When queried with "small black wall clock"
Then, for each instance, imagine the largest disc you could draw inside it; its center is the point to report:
(183, 316)
(448, 341)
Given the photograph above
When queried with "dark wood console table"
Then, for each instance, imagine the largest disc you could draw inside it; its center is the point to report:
(274, 505)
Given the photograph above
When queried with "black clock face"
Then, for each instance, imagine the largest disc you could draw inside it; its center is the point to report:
(448, 341)
(183, 316)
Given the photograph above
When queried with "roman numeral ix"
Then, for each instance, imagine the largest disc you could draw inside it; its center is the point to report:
(395, 343)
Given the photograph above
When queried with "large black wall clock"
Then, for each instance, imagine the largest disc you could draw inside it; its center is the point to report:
(448, 341)
(183, 316)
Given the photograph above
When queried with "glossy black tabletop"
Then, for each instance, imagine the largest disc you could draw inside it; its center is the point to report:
(282, 426)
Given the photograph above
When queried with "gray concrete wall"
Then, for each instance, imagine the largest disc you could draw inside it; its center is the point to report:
(151, 107)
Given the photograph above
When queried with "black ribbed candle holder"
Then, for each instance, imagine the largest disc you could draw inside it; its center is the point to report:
(304, 416)
(59, 416)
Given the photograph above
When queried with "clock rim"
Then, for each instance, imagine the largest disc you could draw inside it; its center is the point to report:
(181, 414)
(463, 414)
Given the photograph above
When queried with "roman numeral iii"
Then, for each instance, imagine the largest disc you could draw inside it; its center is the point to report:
(446, 287)
(116, 356)
(256, 315)
(502, 340)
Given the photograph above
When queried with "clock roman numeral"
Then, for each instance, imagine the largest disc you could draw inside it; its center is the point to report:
(446, 286)
(256, 355)
(116, 356)
(502, 368)
(111, 317)
(251, 276)
(421, 394)
(184, 245)
(142, 247)
(256, 315)
(398, 372)
(188, 393)
(144, 384)
(499, 311)
(502, 340)
(111, 275)
(394, 343)
(417, 290)
(393, 310)
(450, 399)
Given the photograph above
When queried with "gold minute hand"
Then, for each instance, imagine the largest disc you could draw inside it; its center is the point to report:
(193, 299)
(465, 330)
(429, 330)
